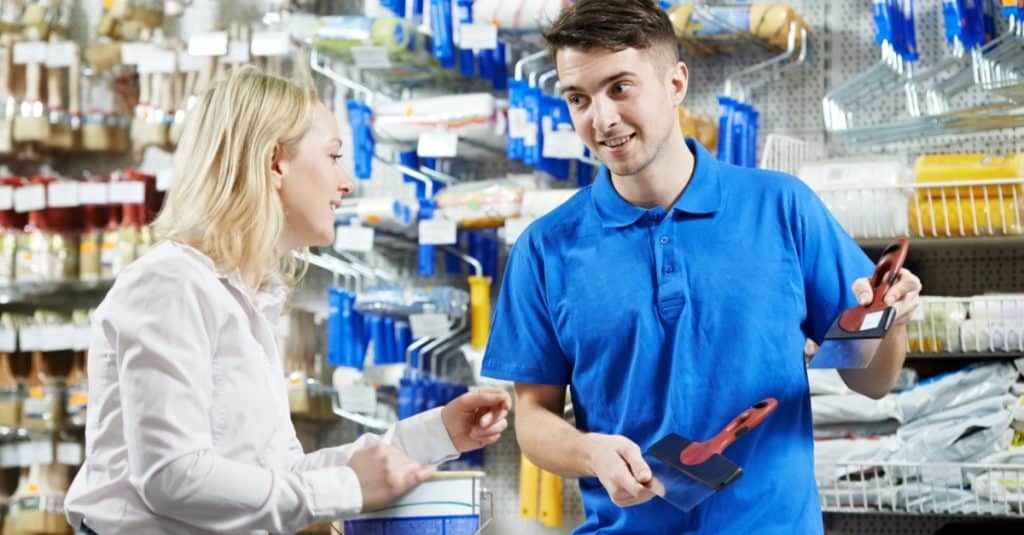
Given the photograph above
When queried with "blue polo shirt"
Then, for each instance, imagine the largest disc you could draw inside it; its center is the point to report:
(675, 322)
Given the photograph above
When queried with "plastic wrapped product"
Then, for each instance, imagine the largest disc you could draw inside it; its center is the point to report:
(471, 115)
(856, 430)
(824, 382)
(997, 307)
(956, 388)
(930, 217)
(518, 14)
(971, 431)
(939, 329)
(844, 408)
(481, 204)
(992, 335)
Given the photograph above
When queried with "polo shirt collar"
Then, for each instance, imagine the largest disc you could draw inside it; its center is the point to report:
(703, 193)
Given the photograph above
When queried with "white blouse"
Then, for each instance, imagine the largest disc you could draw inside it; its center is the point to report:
(188, 427)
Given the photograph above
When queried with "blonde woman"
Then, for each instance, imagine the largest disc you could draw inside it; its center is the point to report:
(188, 428)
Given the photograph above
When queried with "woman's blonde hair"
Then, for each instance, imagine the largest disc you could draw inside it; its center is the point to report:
(222, 200)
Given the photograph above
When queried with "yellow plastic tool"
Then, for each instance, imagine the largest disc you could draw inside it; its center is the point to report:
(550, 499)
(480, 310)
(529, 485)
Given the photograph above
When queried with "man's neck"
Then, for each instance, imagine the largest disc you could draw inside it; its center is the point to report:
(663, 181)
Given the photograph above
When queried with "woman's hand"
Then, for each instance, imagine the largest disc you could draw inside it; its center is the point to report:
(477, 418)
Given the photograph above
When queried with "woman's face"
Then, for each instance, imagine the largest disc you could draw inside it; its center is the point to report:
(311, 183)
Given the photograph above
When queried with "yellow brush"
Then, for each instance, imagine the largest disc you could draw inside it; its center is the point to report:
(480, 310)
(529, 484)
(32, 124)
(550, 499)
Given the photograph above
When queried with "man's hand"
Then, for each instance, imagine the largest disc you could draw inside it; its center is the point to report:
(618, 464)
(904, 295)
(385, 473)
(476, 418)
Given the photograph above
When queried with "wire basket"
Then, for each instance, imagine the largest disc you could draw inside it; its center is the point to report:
(989, 323)
(921, 488)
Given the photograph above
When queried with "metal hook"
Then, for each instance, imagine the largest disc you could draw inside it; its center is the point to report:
(521, 64)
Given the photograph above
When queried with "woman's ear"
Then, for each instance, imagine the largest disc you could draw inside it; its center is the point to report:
(278, 168)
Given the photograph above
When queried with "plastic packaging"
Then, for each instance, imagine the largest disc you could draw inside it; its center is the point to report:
(956, 388)
(830, 409)
(518, 14)
(470, 115)
(481, 204)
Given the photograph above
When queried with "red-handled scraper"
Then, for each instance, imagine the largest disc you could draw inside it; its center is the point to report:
(854, 337)
(686, 473)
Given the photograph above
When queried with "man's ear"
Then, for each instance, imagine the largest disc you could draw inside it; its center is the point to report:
(680, 82)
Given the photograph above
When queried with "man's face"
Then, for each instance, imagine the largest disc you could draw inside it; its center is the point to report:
(623, 104)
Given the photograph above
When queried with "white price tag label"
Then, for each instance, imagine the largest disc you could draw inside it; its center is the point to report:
(94, 193)
(871, 321)
(429, 325)
(238, 52)
(56, 337)
(164, 178)
(478, 36)
(358, 398)
(438, 231)
(530, 134)
(439, 144)
(353, 238)
(9, 456)
(189, 63)
(30, 52)
(28, 338)
(127, 192)
(136, 53)
(8, 340)
(69, 453)
(29, 198)
(515, 227)
(517, 120)
(270, 44)
(371, 57)
(35, 452)
(83, 335)
(62, 54)
(6, 197)
(159, 61)
(208, 44)
(563, 144)
(62, 194)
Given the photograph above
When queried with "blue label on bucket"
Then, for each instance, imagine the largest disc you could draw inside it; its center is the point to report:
(423, 525)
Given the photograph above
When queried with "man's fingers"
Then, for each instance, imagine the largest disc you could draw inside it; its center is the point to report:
(635, 461)
(862, 290)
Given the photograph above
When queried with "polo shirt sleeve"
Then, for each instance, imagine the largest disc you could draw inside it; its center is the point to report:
(523, 346)
(831, 261)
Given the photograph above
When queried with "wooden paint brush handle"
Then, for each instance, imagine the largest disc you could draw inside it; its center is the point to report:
(75, 85)
(53, 100)
(33, 77)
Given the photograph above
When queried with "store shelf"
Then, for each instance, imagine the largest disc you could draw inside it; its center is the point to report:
(22, 291)
(984, 355)
(961, 242)
(984, 490)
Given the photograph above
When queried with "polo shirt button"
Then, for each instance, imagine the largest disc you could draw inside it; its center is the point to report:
(664, 240)
(669, 269)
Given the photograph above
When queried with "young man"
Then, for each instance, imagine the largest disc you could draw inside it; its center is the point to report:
(671, 297)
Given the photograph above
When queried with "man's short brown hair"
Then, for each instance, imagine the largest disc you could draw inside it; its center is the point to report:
(613, 25)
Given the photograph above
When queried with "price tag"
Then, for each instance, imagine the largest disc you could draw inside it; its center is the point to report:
(189, 63)
(136, 53)
(514, 228)
(82, 337)
(563, 144)
(35, 452)
(9, 455)
(127, 192)
(61, 54)
(29, 198)
(530, 134)
(438, 144)
(159, 61)
(30, 52)
(358, 398)
(56, 337)
(8, 340)
(438, 231)
(69, 453)
(6, 197)
(94, 192)
(429, 325)
(62, 194)
(517, 120)
(238, 52)
(164, 178)
(371, 57)
(270, 44)
(28, 338)
(353, 238)
(478, 36)
(208, 44)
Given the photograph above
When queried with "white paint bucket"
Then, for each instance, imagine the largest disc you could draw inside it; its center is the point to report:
(446, 504)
